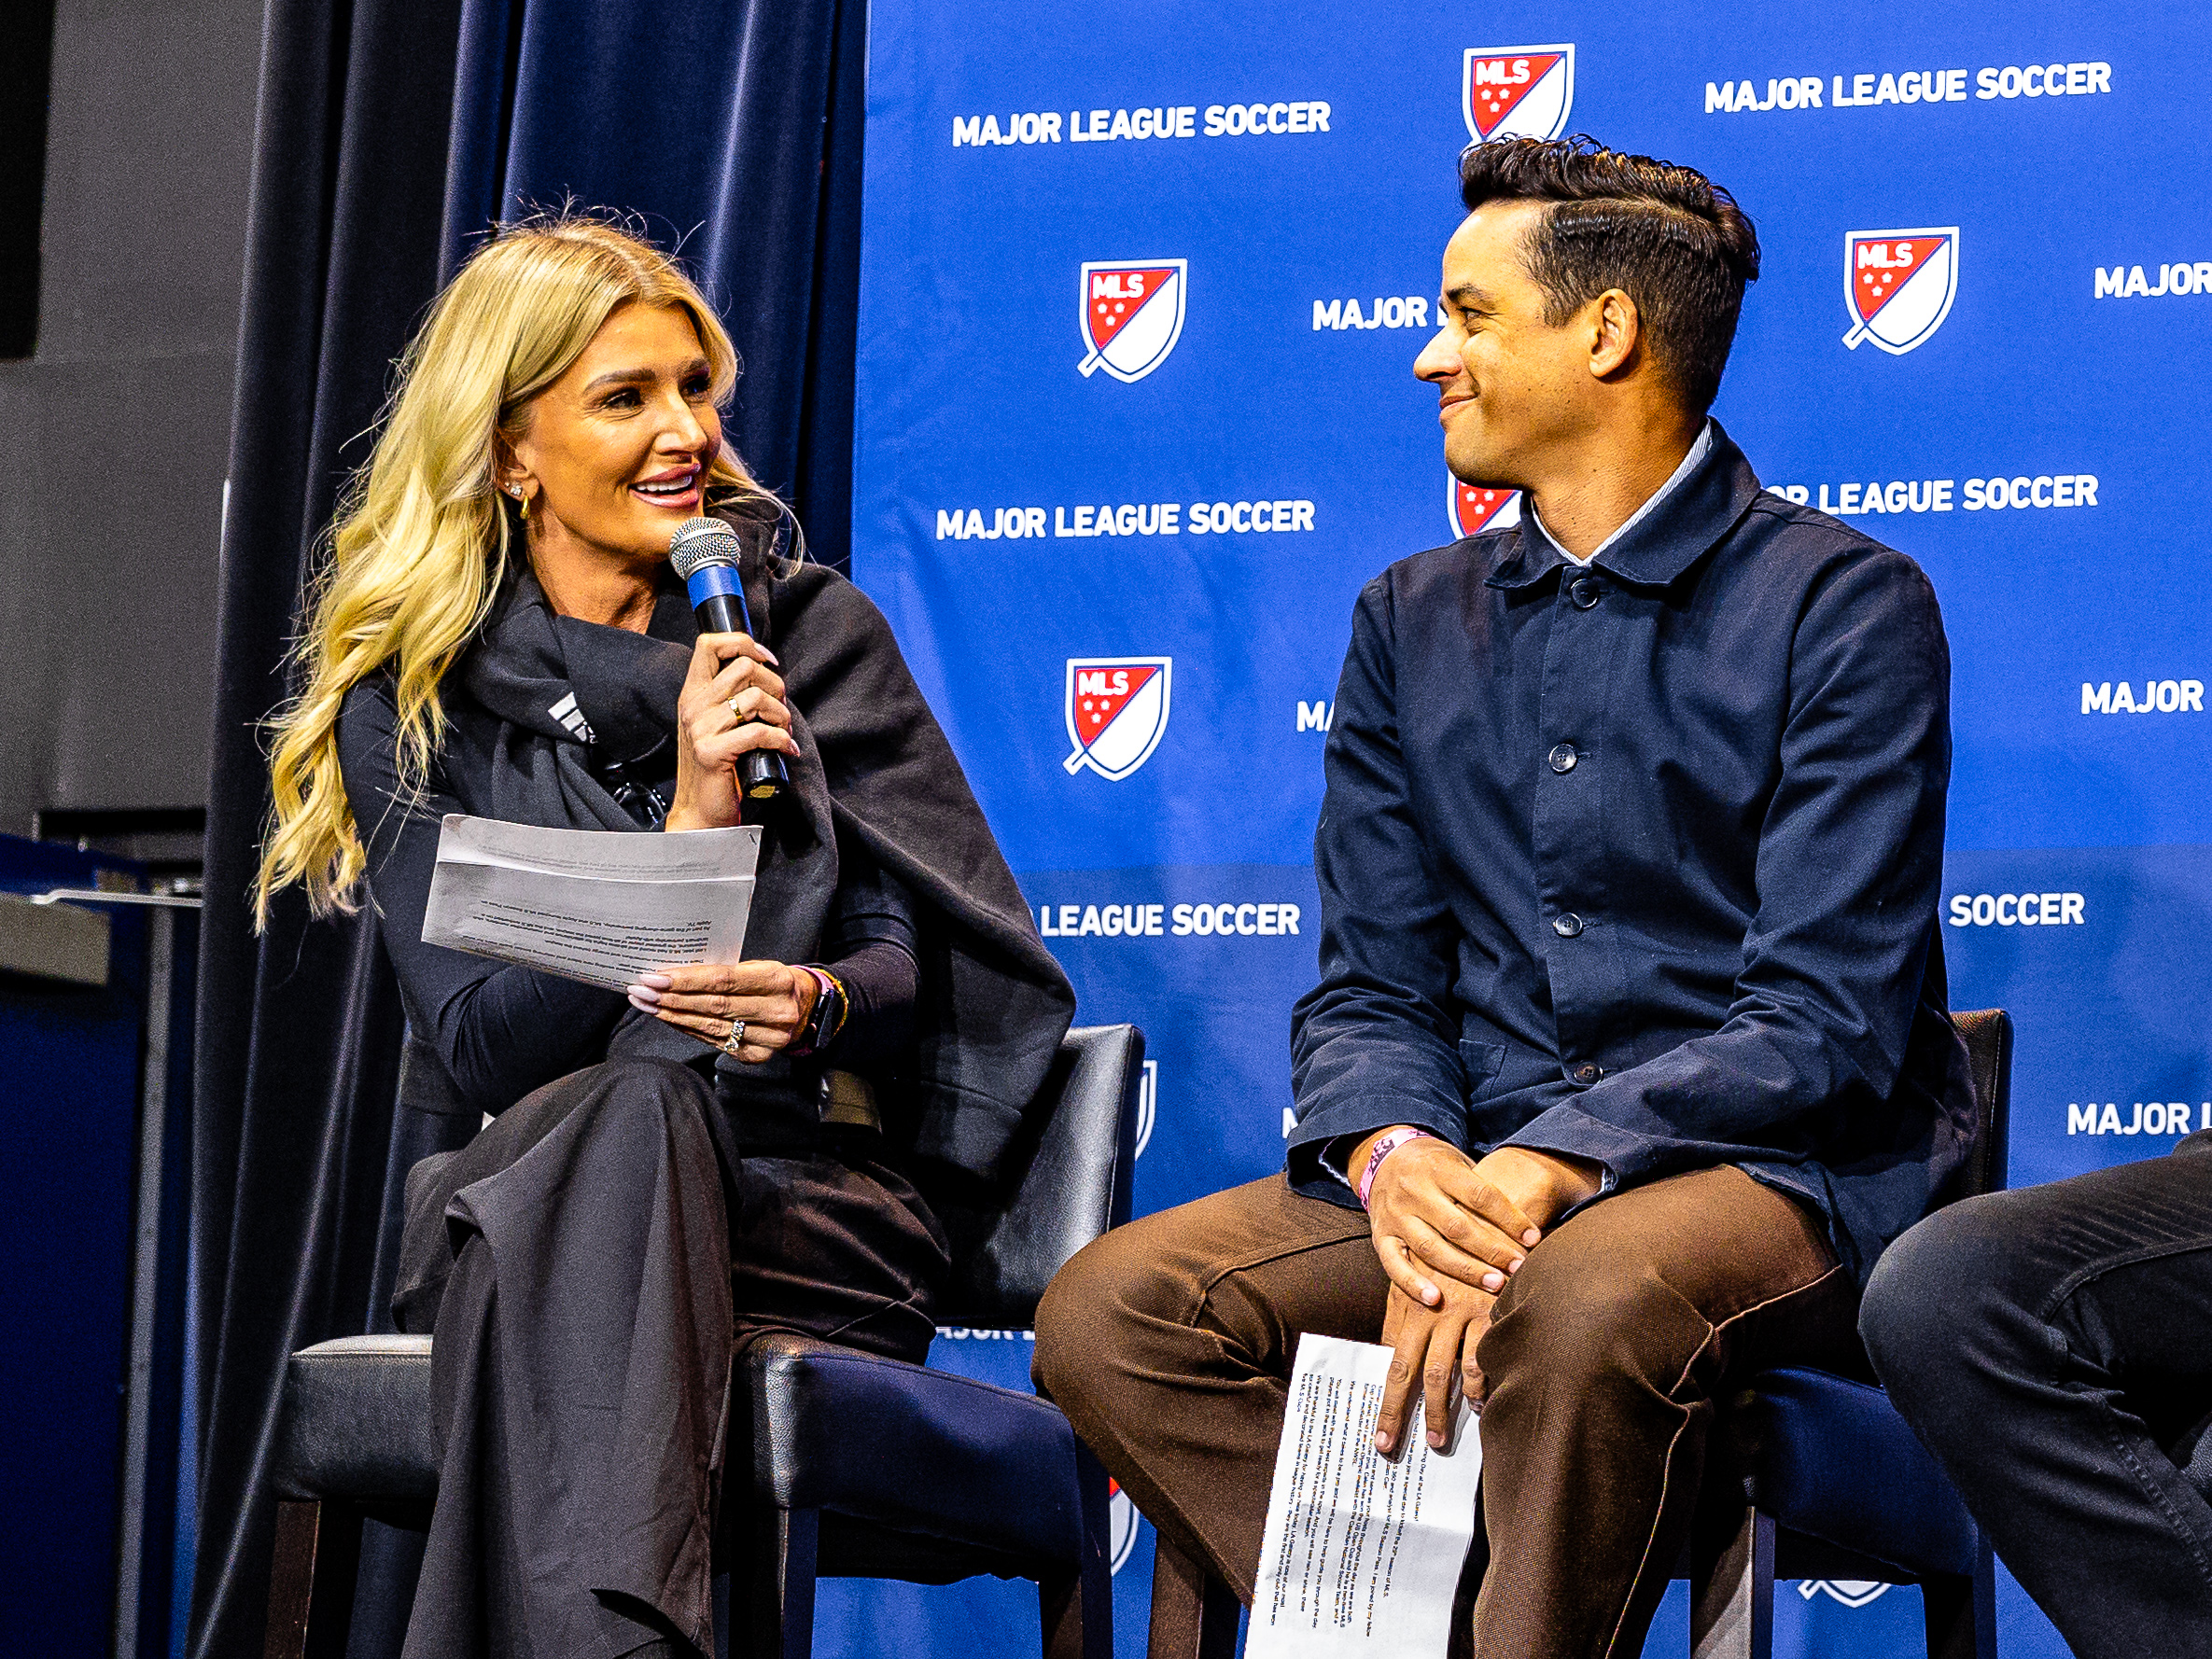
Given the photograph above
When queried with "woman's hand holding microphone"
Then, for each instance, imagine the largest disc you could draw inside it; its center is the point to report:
(726, 709)
(749, 1009)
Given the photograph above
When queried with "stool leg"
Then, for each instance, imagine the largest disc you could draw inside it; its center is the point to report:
(311, 1581)
(781, 1610)
(1077, 1608)
(1731, 1613)
(1962, 1613)
(1194, 1613)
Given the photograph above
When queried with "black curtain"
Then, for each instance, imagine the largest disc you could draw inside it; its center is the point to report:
(390, 134)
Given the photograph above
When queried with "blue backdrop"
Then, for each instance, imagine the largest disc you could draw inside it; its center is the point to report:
(1141, 292)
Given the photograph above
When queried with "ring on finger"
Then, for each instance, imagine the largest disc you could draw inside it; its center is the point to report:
(735, 712)
(730, 1042)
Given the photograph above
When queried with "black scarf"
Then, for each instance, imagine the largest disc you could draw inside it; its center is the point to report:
(874, 767)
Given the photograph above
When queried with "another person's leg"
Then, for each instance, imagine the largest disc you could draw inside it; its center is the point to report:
(2052, 1346)
(1169, 1342)
(1603, 1361)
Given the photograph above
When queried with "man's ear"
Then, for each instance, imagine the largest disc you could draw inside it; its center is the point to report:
(1616, 330)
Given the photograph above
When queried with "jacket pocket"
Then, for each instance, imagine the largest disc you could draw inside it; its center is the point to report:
(1481, 1062)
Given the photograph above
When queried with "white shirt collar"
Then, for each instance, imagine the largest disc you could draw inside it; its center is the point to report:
(1697, 452)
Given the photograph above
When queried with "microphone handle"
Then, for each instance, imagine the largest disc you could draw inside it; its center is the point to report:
(762, 775)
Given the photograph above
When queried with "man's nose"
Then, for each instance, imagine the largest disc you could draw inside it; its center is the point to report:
(1437, 361)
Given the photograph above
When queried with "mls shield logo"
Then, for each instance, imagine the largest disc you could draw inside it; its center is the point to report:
(1132, 316)
(1898, 285)
(1117, 711)
(1121, 1526)
(1849, 1592)
(1148, 1105)
(1476, 508)
(1517, 92)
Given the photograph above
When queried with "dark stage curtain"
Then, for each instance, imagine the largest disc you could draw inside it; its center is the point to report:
(391, 134)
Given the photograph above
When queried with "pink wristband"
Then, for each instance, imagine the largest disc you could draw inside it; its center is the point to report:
(1383, 1148)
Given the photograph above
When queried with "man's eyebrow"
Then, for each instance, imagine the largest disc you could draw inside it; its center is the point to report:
(1469, 295)
(639, 377)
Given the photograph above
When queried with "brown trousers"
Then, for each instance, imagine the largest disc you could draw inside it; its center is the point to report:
(1168, 1342)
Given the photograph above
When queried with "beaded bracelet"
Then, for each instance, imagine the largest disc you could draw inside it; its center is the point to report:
(1383, 1148)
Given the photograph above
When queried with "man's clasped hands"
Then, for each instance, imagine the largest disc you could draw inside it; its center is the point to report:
(1450, 1231)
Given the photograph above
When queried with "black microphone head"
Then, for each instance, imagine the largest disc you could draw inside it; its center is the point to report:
(703, 541)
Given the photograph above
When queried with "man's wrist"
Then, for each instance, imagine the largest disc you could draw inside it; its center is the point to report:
(1544, 1184)
(1374, 1151)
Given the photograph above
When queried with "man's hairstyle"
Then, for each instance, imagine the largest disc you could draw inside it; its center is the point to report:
(1666, 236)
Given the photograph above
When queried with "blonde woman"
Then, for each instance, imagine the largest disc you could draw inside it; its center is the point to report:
(722, 1150)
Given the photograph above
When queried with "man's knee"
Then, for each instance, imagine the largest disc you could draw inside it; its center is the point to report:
(1935, 1291)
(1105, 1290)
(1582, 1308)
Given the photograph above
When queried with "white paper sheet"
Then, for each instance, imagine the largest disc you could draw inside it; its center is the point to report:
(596, 905)
(1362, 1554)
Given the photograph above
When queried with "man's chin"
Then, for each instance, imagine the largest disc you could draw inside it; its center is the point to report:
(1473, 462)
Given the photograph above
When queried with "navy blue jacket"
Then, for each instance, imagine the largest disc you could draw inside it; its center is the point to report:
(1640, 863)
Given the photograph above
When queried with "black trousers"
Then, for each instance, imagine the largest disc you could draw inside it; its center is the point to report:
(592, 1265)
(2054, 1347)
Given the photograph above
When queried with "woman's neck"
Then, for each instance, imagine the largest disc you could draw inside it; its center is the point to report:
(591, 585)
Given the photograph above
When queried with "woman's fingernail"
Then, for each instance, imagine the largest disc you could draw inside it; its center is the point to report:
(1493, 1281)
(1514, 1265)
(1430, 1294)
(1381, 1441)
(1436, 1439)
(644, 995)
(656, 981)
(1531, 1237)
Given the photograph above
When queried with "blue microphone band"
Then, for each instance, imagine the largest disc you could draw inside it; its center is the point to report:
(710, 581)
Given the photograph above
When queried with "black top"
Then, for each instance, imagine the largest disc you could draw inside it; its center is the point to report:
(1639, 863)
(503, 1030)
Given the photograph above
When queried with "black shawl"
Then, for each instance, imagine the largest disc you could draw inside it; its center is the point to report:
(873, 768)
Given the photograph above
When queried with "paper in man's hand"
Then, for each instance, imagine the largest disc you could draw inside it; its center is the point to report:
(1362, 1554)
(596, 905)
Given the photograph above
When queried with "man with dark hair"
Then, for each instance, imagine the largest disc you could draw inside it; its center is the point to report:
(1631, 1037)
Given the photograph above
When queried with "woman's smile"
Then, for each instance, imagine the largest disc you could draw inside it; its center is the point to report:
(673, 488)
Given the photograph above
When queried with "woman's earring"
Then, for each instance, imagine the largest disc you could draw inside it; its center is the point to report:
(524, 509)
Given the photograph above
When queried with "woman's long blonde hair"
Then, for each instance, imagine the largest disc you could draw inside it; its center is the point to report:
(421, 539)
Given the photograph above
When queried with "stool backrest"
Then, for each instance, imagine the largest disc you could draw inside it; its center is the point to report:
(1066, 1180)
(1988, 1035)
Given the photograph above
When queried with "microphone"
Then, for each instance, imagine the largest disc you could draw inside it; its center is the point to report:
(705, 553)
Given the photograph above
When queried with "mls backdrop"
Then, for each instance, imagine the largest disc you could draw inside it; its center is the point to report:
(1143, 284)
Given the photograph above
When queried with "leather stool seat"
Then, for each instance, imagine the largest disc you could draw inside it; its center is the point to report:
(357, 1422)
(1836, 1462)
(902, 1461)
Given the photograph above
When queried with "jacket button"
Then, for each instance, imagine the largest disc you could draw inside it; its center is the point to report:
(1586, 1073)
(1564, 758)
(1568, 925)
(1585, 592)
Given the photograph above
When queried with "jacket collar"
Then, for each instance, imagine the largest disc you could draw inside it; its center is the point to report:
(1689, 523)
